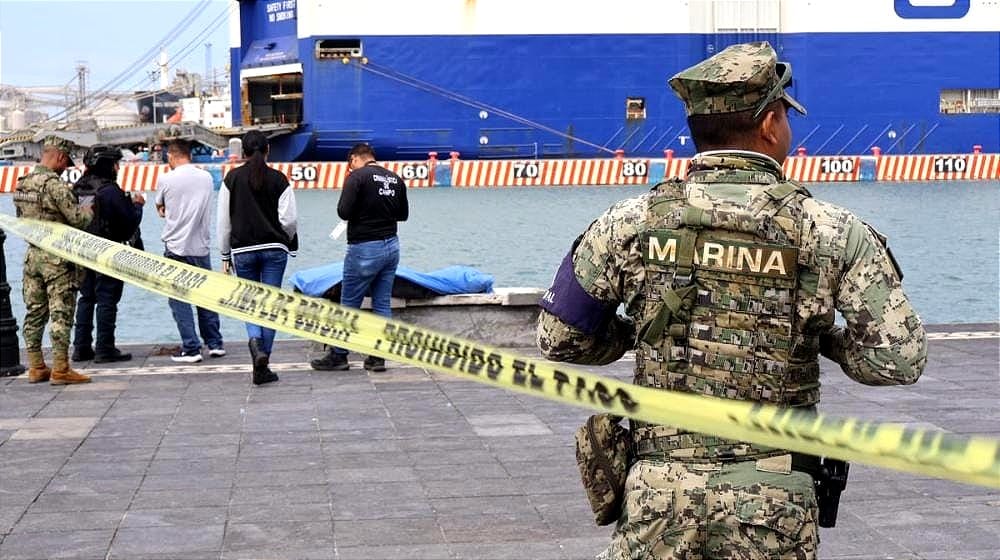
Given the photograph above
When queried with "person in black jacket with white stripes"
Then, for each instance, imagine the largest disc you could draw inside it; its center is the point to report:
(257, 225)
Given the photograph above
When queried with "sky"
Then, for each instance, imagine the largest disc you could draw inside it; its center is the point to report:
(37, 49)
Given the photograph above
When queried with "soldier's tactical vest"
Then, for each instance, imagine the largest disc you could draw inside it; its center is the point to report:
(719, 314)
(30, 196)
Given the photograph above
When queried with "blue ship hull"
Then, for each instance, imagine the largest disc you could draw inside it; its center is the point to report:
(565, 95)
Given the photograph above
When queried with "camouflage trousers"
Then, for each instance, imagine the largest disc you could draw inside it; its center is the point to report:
(49, 289)
(702, 511)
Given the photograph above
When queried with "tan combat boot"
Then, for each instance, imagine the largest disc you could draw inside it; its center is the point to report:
(38, 372)
(62, 374)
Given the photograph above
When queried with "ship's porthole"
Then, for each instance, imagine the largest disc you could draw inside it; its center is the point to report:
(484, 140)
(891, 134)
(483, 115)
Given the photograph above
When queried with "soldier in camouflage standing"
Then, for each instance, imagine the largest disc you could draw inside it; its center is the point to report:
(730, 279)
(50, 283)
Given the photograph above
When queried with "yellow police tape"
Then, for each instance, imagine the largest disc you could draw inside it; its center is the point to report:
(974, 460)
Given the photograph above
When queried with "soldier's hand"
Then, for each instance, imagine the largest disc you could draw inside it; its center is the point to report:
(137, 198)
(831, 344)
(227, 267)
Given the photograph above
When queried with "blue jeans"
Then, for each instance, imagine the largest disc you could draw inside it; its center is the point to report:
(369, 269)
(208, 321)
(268, 267)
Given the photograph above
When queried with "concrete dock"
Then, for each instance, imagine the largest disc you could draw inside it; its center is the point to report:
(158, 460)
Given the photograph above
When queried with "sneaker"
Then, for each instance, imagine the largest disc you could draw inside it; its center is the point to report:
(111, 357)
(332, 361)
(216, 352)
(374, 363)
(192, 357)
(83, 353)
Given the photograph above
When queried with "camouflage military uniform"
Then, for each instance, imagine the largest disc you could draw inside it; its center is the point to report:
(731, 279)
(50, 283)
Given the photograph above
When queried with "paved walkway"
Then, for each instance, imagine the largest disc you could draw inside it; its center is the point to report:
(153, 460)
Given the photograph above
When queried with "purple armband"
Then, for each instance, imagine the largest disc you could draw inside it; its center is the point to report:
(568, 301)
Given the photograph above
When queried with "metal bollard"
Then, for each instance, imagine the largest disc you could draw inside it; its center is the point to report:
(10, 355)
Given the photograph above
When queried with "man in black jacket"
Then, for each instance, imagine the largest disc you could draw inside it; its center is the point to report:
(373, 201)
(116, 217)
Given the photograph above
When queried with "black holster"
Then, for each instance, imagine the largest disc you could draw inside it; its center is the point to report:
(829, 479)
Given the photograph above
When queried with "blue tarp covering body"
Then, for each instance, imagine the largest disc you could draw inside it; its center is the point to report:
(449, 280)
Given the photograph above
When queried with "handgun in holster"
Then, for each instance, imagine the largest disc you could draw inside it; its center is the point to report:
(829, 479)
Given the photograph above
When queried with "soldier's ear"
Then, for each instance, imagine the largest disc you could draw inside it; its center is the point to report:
(770, 128)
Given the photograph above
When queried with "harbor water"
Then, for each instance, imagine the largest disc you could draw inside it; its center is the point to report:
(946, 237)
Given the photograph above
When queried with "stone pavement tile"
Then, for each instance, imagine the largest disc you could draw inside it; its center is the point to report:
(280, 449)
(199, 452)
(251, 478)
(562, 454)
(396, 552)
(104, 469)
(508, 551)
(49, 502)
(524, 444)
(493, 528)
(279, 463)
(167, 541)
(377, 474)
(336, 420)
(67, 408)
(193, 467)
(167, 499)
(68, 521)
(925, 538)
(95, 442)
(108, 454)
(350, 433)
(472, 488)
(356, 447)
(279, 540)
(449, 457)
(424, 443)
(544, 469)
(199, 440)
(10, 514)
(462, 471)
(269, 513)
(64, 427)
(369, 532)
(53, 545)
(514, 506)
(585, 548)
(212, 515)
(254, 437)
(386, 506)
(182, 481)
(335, 458)
(981, 512)
(407, 428)
(79, 483)
(297, 494)
(566, 483)
(376, 491)
(853, 536)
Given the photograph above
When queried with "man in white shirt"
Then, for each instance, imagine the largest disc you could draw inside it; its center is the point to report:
(184, 200)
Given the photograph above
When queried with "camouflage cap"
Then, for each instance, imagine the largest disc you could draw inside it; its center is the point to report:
(740, 78)
(61, 144)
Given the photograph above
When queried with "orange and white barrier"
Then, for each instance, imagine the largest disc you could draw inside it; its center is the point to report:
(822, 169)
(938, 167)
(140, 177)
(9, 174)
(135, 177)
(568, 172)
